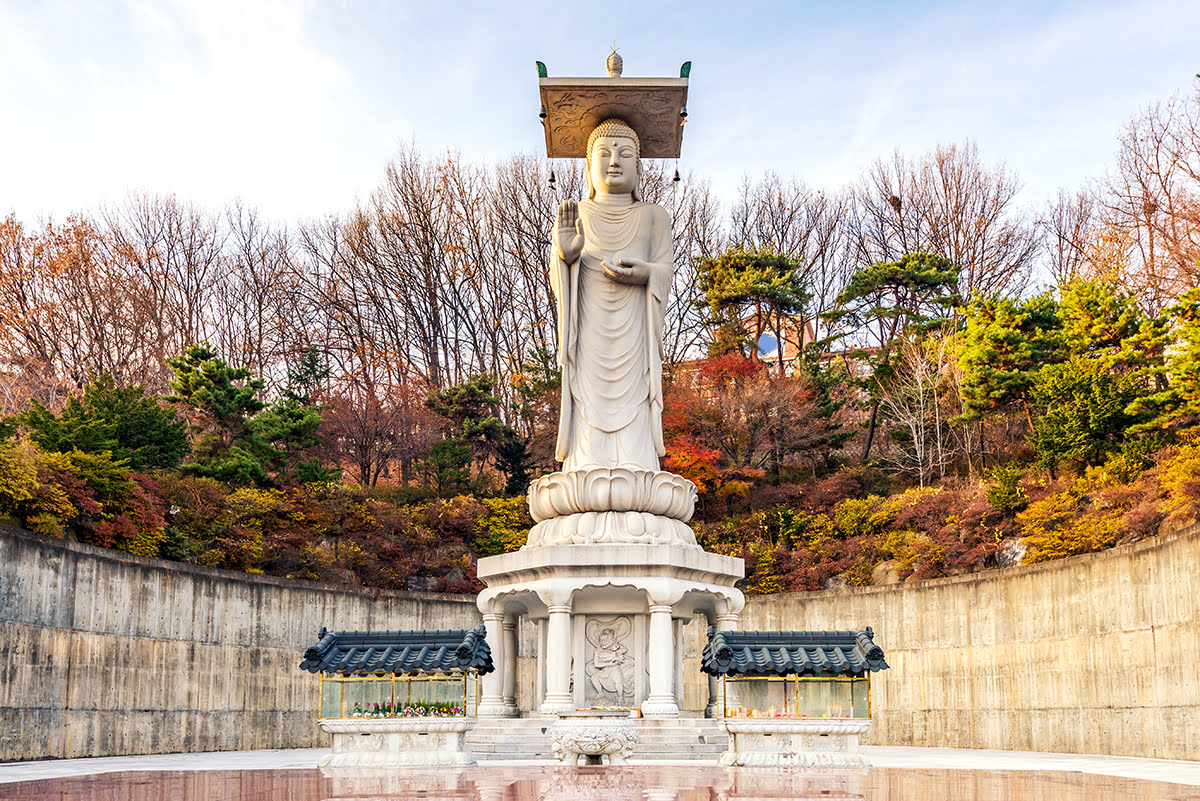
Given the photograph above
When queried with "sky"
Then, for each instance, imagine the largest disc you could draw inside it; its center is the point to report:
(295, 108)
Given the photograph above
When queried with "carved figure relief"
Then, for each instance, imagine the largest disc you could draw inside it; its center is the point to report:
(610, 668)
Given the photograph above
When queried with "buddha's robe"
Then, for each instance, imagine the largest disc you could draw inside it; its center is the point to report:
(610, 339)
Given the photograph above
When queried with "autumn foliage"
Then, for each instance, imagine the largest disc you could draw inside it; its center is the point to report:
(865, 382)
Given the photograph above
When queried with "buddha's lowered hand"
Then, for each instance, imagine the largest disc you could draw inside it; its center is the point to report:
(626, 269)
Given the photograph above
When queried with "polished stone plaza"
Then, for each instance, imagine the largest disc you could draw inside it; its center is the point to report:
(897, 774)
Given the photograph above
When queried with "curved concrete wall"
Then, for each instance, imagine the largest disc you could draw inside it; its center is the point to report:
(103, 653)
(1098, 654)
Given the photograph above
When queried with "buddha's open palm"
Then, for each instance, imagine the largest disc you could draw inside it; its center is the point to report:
(570, 231)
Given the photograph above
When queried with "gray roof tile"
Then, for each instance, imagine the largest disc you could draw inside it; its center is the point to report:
(385, 652)
(806, 653)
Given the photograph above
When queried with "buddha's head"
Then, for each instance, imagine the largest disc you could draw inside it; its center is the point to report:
(613, 165)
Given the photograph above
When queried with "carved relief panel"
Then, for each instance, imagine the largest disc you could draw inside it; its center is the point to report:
(610, 661)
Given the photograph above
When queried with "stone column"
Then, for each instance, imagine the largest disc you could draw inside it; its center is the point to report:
(661, 657)
(558, 662)
(491, 700)
(723, 622)
(510, 666)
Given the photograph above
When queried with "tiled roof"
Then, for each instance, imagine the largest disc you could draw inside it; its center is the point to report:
(366, 652)
(807, 653)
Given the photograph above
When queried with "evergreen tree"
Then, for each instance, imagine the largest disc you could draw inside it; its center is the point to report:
(904, 298)
(122, 421)
(761, 286)
(1099, 320)
(1083, 413)
(304, 381)
(1007, 341)
(1175, 406)
(471, 409)
(222, 401)
(290, 424)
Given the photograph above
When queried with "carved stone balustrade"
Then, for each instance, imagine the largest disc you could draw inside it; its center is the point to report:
(397, 742)
(794, 742)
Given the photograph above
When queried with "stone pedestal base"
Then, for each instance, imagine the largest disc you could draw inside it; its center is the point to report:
(594, 738)
(602, 505)
(608, 618)
(790, 742)
(397, 742)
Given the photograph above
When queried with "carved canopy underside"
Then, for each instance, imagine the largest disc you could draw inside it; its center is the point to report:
(651, 106)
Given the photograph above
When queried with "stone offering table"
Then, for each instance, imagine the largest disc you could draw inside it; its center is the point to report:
(794, 742)
(594, 735)
(397, 742)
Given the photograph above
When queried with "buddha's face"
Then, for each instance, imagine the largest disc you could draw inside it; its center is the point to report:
(613, 165)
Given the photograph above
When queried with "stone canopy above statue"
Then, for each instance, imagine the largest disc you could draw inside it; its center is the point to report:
(656, 108)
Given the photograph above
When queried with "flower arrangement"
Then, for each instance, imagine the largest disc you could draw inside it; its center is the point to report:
(409, 710)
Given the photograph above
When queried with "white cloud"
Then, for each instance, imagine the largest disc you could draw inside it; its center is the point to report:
(296, 107)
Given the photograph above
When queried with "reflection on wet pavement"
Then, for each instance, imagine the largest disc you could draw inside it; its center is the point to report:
(640, 783)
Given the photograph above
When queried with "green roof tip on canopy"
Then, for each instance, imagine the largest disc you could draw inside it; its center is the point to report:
(654, 107)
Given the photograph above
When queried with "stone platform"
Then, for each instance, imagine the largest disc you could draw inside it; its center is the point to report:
(789, 742)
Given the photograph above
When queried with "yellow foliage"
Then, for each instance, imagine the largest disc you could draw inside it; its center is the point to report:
(1180, 479)
(248, 504)
(146, 543)
(735, 487)
(503, 528)
(764, 580)
(46, 524)
(48, 510)
(918, 548)
(318, 562)
(1066, 524)
(18, 474)
(864, 515)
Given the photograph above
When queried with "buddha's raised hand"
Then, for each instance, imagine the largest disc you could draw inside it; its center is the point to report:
(570, 231)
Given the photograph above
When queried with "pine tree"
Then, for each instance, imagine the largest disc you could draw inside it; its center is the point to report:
(122, 421)
(222, 401)
(908, 297)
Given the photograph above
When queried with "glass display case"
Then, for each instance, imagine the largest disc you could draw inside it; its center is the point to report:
(451, 694)
(796, 697)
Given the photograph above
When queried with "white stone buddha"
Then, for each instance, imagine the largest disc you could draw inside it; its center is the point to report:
(611, 274)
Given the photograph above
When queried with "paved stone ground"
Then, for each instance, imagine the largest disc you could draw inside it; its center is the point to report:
(1163, 770)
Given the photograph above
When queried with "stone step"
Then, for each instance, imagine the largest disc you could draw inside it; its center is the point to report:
(675, 739)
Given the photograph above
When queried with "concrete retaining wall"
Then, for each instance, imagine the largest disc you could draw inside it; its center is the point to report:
(103, 653)
(1097, 654)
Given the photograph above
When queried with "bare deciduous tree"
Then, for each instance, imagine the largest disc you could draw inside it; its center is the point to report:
(791, 218)
(950, 203)
(1153, 197)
